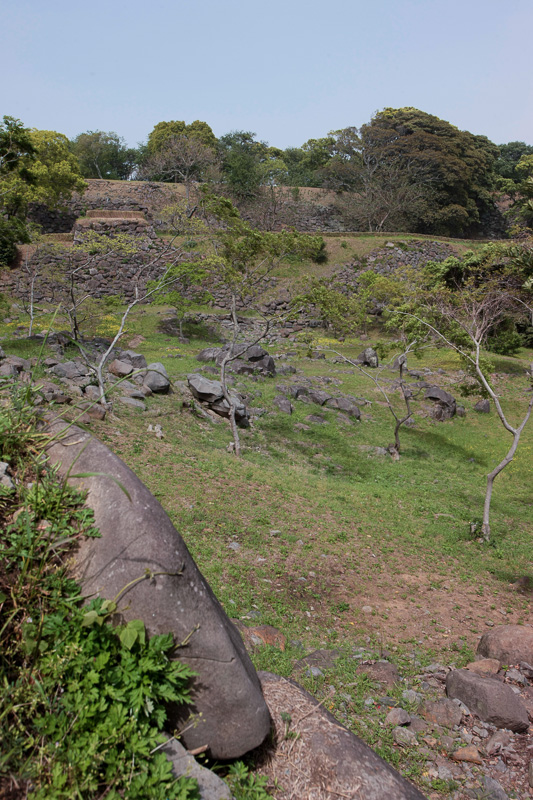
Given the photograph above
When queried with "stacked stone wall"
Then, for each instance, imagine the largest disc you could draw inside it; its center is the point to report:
(100, 275)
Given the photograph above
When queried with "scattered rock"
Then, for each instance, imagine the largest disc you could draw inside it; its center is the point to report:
(442, 712)
(445, 407)
(324, 748)
(120, 368)
(284, 404)
(382, 671)
(510, 644)
(404, 737)
(491, 700)
(397, 716)
(317, 419)
(487, 666)
(469, 753)
(210, 786)
(259, 635)
(156, 378)
(369, 358)
(482, 406)
(492, 789)
(137, 360)
(132, 403)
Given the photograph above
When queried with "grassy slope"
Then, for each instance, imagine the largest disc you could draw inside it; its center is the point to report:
(326, 527)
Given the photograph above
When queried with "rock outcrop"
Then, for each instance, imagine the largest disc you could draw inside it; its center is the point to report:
(140, 549)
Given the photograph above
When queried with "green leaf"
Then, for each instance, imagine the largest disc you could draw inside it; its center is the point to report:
(89, 619)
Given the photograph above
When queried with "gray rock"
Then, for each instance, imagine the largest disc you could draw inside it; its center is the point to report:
(444, 712)
(319, 397)
(498, 741)
(209, 354)
(2, 354)
(492, 789)
(489, 699)
(510, 644)
(411, 696)
(345, 405)
(210, 786)
(369, 358)
(284, 404)
(204, 389)
(316, 418)
(8, 370)
(156, 378)
(20, 364)
(446, 406)
(120, 368)
(92, 392)
(397, 716)
(138, 536)
(482, 407)
(382, 671)
(132, 402)
(67, 369)
(324, 742)
(137, 360)
(404, 737)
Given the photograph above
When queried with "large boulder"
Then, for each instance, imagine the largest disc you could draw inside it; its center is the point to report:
(137, 360)
(369, 358)
(209, 354)
(139, 541)
(491, 700)
(510, 644)
(156, 378)
(445, 404)
(210, 392)
(323, 753)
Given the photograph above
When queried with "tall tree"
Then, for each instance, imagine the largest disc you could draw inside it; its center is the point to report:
(35, 166)
(104, 155)
(461, 303)
(164, 131)
(180, 159)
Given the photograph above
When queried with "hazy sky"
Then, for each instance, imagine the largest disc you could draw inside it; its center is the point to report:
(288, 70)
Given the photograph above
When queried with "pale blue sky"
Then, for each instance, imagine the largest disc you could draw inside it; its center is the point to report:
(289, 70)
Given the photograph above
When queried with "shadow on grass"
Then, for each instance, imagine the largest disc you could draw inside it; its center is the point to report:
(522, 582)
(437, 442)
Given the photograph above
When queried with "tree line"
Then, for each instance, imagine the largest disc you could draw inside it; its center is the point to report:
(404, 170)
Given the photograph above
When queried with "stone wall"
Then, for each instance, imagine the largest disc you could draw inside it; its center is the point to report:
(100, 275)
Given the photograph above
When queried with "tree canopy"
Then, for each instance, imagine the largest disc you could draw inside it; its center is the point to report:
(164, 131)
(104, 155)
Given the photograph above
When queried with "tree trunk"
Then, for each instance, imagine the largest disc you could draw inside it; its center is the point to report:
(227, 396)
(485, 529)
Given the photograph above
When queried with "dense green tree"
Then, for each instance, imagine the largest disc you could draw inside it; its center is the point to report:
(35, 166)
(409, 168)
(104, 155)
(305, 164)
(456, 165)
(164, 131)
(241, 155)
(510, 155)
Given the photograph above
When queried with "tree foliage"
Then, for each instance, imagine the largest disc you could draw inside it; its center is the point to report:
(104, 155)
(164, 131)
(35, 166)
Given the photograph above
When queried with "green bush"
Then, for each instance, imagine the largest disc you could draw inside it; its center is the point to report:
(12, 232)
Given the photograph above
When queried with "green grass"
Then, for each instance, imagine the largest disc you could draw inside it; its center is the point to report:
(326, 526)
